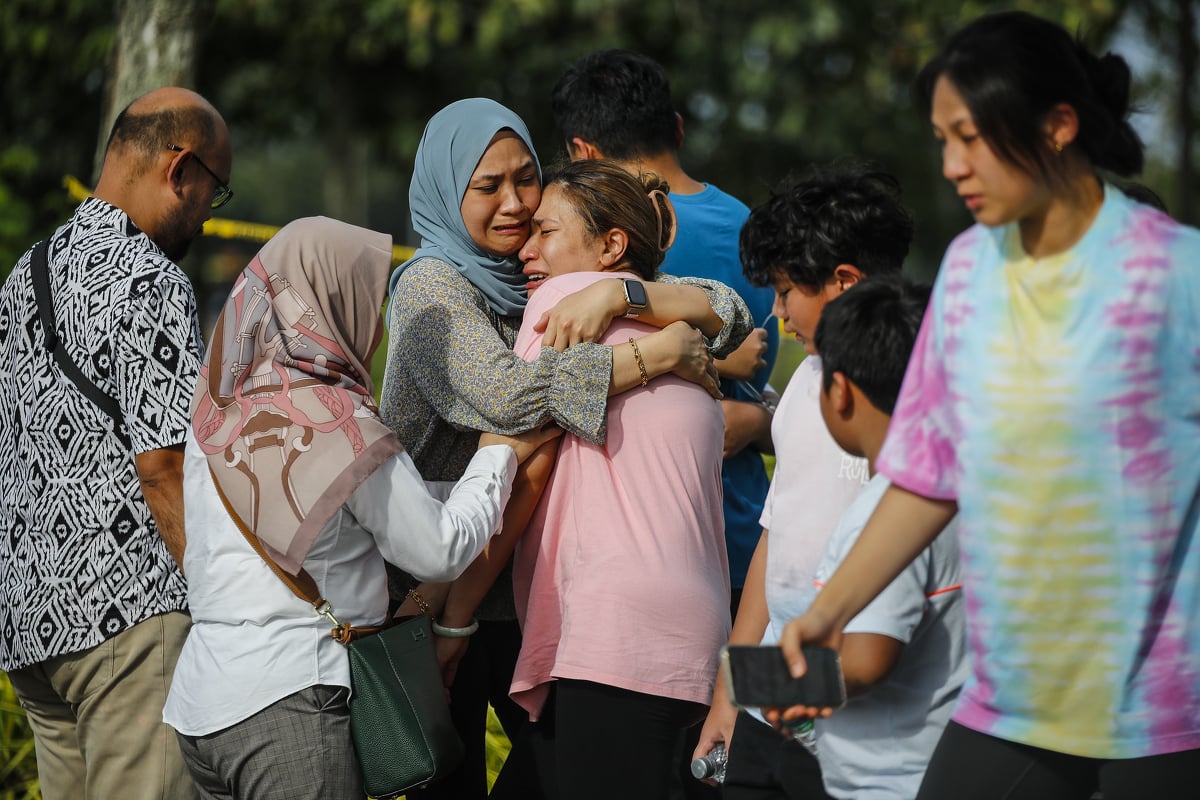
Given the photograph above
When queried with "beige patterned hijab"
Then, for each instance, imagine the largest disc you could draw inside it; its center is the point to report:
(284, 408)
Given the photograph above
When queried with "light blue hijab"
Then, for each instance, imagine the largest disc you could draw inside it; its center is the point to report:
(454, 141)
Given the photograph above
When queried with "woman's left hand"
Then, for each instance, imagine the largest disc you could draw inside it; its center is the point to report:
(690, 356)
(450, 652)
(583, 316)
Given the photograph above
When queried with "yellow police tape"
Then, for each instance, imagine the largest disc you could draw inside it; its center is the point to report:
(251, 231)
(227, 228)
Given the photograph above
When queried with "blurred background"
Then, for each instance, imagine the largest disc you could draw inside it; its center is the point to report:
(326, 100)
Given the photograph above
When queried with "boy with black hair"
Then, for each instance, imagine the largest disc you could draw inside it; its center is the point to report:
(904, 656)
(811, 241)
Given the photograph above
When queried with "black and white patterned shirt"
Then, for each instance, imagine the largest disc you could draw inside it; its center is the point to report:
(80, 556)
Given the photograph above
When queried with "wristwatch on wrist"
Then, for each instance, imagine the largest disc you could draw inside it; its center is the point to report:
(635, 297)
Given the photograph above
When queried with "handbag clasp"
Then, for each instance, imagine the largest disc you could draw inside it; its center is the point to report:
(326, 610)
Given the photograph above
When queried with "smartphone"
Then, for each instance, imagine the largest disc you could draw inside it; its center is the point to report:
(758, 677)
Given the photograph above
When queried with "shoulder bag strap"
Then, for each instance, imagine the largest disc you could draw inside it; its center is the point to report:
(39, 271)
(301, 584)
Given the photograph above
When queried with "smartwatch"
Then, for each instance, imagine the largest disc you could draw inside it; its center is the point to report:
(635, 297)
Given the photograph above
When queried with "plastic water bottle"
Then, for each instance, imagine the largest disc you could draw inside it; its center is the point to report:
(711, 765)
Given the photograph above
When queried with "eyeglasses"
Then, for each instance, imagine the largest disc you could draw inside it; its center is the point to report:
(222, 194)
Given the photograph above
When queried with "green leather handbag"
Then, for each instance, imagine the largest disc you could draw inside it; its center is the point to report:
(398, 714)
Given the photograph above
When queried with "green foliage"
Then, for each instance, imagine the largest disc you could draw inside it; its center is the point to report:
(18, 769)
(766, 89)
(53, 58)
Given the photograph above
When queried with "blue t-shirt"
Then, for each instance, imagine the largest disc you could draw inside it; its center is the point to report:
(707, 247)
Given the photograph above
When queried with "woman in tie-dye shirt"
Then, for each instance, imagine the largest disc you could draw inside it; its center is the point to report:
(1053, 400)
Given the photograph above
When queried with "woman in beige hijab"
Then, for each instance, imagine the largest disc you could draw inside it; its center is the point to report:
(287, 438)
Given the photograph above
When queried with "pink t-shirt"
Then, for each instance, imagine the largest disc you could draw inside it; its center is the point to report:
(622, 577)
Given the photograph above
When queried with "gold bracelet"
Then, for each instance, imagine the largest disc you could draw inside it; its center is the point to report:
(641, 364)
(421, 602)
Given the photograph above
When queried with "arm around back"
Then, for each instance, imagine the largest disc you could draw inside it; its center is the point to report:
(528, 485)
(433, 540)
(444, 339)
(726, 322)
(711, 307)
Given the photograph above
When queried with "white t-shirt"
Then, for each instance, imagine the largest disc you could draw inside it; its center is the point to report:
(254, 642)
(815, 481)
(877, 747)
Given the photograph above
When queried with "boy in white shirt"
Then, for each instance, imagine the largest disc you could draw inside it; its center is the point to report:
(811, 241)
(904, 656)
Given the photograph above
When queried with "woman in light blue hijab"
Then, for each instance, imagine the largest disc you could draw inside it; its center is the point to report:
(453, 144)
(455, 312)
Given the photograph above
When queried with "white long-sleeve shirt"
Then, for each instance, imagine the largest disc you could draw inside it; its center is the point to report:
(254, 642)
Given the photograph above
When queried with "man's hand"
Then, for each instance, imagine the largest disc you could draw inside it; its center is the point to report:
(746, 424)
(745, 362)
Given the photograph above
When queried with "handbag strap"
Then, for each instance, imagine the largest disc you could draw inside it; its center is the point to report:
(39, 272)
(301, 584)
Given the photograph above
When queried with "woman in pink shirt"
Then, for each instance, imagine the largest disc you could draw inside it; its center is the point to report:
(621, 579)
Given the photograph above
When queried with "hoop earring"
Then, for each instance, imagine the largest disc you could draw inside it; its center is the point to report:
(1058, 148)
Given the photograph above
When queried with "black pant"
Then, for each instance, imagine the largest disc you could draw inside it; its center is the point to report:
(967, 763)
(765, 765)
(598, 742)
(686, 787)
(483, 677)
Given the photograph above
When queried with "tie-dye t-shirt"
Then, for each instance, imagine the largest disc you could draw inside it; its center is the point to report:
(1058, 401)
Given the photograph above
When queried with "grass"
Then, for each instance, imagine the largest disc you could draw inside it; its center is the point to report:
(18, 767)
(497, 747)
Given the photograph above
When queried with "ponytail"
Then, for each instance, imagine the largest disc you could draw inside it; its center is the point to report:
(1106, 136)
(1013, 68)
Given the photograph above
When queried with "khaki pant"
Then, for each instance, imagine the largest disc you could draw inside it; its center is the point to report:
(97, 717)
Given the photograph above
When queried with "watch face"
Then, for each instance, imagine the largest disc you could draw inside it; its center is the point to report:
(635, 293)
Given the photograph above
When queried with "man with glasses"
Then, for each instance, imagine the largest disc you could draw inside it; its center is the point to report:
(95, 412)
(222, 194)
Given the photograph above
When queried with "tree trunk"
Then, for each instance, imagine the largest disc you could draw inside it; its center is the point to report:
(344, 176)
(155, 46)
(1187, 115)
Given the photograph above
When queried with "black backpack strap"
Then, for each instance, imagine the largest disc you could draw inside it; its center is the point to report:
(39, 271)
